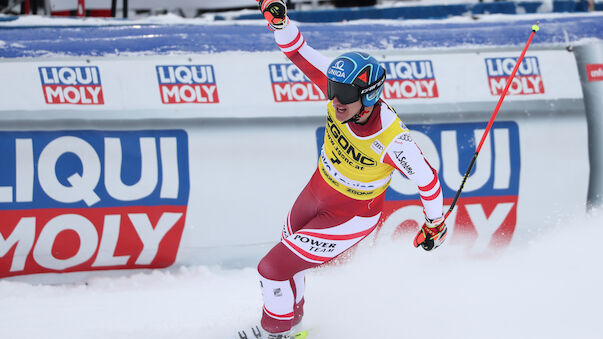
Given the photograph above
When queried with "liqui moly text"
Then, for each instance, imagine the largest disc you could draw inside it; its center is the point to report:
(527, 80)
(290, 84)
(414, 79)
(74, 85)
(187, 84)
(91, 200)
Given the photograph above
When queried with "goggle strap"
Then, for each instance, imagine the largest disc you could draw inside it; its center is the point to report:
(374, 86)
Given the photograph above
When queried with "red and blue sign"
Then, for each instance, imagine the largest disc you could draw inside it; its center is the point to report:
(412, 79)
(72, 85)
(486, 213)
(187, 84)
(91, 200)
(527, 80)
(289, 84)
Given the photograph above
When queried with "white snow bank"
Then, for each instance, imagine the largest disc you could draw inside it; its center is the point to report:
(549, 289)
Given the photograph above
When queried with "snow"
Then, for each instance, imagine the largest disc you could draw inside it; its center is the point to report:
(548, 288)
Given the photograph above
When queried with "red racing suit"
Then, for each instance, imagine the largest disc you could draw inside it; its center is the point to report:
(343, 201)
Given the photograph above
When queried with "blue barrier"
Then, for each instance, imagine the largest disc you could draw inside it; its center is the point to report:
(432, 11)
(503, 7)
(8, 18)
(529, 6)
(153, 39)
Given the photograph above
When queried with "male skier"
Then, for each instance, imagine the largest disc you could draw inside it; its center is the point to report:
(365, 141)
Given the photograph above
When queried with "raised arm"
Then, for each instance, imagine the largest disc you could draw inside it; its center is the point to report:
(290, 40)
(307, 59)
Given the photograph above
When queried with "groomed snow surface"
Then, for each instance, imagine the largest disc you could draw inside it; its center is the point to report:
(550, 287)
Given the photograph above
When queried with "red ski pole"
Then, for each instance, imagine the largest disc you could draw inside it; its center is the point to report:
(535, 28)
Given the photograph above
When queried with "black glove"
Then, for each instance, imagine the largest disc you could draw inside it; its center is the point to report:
(431, 235)
(275, 12)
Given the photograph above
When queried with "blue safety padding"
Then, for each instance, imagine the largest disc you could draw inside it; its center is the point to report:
(8, 18)
(501, 7)
(161, 39)
(529, 6)
(429, 11)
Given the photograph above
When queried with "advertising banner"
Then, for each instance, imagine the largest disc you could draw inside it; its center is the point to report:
(409, 80)
(290, 84)
(71, 85)
(187, 84)
(82, 200)
(221, 86)
(594, 72)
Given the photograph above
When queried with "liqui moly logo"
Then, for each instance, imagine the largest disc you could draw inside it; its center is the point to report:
(289, 84)
(91, 200)
(409, 80)
(74, 85)
(527, 80)
(187, 84)
(485, 216)
(594, 72)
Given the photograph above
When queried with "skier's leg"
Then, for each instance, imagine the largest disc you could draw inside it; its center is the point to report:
(302, 250)
(280, 266)
(299, 284)
(279, 291)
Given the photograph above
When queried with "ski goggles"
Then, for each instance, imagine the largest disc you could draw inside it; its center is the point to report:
(346, 93)
(349, 93)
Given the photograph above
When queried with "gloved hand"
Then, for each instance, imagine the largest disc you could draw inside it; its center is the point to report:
(275, 12)
(432, 234)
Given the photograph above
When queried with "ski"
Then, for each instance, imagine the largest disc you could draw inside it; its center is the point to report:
(255, 332)
(300, 335)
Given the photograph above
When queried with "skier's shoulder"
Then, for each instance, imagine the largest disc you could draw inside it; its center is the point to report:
(389, 117)
(394, 130)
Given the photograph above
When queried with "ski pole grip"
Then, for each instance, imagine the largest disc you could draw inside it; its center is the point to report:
(535, 27)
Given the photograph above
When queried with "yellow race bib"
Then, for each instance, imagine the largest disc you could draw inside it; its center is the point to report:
(352, 164)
